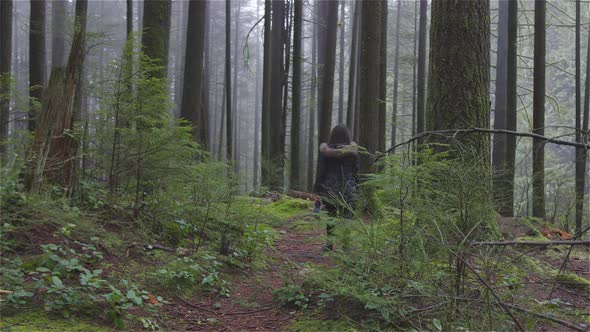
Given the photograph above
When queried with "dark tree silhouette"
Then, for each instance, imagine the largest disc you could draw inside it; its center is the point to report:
(539, 111)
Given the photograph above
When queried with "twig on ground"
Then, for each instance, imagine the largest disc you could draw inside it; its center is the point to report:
(567, 256)
(195, 305)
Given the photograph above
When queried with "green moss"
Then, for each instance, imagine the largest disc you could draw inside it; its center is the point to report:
(287, 207)
(303, 325)
(575, 279)
(538, 238)
(37, 320)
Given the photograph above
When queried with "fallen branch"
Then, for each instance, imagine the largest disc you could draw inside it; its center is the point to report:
(531, 243)
(195, 306)
(567, 256)
(547, 317)
(500, 303)
(451, 133)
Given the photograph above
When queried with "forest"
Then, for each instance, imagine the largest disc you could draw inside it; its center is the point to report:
(294, 165)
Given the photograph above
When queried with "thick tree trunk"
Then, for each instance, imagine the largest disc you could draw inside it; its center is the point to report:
(328, 21)
(5, 71)
(370, 67)
(156, 32)
(511, 108)
(235, 114)
(294, 180)
(129, 19)
(395, 74)
(499, 150)
(383, 76)
(58, 34)
(276, 101)
(458, 86)
(36, 57)
(54, 152)
(193, 69)
(539, 111)
(421, 88)
(228, 95)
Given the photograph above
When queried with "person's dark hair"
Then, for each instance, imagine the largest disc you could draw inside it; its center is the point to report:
(340, 135)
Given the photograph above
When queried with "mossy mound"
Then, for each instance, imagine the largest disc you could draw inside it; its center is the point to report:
(37, 320)
(288, 207)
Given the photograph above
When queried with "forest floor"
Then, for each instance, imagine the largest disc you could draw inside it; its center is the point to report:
(252, 305)
(254, 302)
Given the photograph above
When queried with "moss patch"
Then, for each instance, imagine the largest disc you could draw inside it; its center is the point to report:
(288, 207)
(303, 325)
(37, 320)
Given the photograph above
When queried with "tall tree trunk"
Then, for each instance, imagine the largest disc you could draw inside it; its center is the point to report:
(257, 108)
(353, 65)
(266, 97)
(370, 67)
(311, 146)
(341, 68)
(58, 33)
(36, 57)
(421, 89)
(539, 111)
(328, 20)
(193, 70)
(276, 91)
(295, 181)
(5, 71)
(414, 64)
(511, 108)
(236, 116)
(156, 32)
(383, 76)
(499, 150)
(206, 137)
(395, 74)
(228, 95)
(54, 152)
(581, 156)
(129, 19)
(458, 90)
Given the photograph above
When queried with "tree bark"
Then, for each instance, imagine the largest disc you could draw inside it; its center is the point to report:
(341, 68)
(499, 141)
(353, 65)
(383, 76)
(311, 146)
(294, 180)
(156, 32)
(266, 97)
(58, 34)
(421, 88)
(36, 58)
(193, 70)
(395, 74)
(328, 21)
(54, 152)
(539, 111)
(255, 163)
(458, 86)
(5, 71)
(370, 67)
(236, 115)
(511, 108)
(581, 168)
(228, 95)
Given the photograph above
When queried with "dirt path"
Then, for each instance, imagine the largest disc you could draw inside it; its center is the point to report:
(251, 306)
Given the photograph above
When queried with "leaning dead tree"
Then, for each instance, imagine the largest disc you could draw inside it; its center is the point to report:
(53, 156)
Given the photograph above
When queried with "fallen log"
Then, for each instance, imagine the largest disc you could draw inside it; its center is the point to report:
(531, 243)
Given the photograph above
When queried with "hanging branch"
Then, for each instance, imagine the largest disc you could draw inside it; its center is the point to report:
(452, 133)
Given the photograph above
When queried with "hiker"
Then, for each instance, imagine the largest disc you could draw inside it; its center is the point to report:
(337, 177)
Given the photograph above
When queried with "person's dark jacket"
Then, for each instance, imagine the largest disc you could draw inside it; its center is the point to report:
(338, 172)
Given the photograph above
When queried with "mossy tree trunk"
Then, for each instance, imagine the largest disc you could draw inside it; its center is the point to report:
(383, 76)
(36, 57)
(156, 32)
(54, 155)
(5, 62)
(327, 31)
(458, 86)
